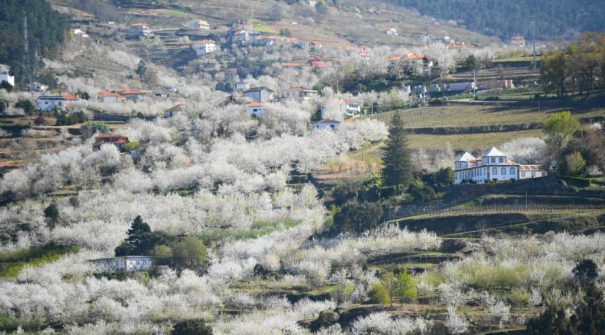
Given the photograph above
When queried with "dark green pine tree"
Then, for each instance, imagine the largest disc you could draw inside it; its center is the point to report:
(137, 239)
(137, 230)
(396, 157)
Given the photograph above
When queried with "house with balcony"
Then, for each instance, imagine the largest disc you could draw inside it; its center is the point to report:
(493, 166)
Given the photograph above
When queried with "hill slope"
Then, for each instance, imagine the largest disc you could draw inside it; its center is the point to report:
(553, 18)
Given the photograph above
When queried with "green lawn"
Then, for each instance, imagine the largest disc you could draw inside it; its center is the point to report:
(258, 229)
(468, 142)
(12, 263)
(460, 116)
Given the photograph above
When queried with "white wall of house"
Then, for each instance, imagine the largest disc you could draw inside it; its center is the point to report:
(335, 125)
(257, 111)
(8, 78)
(203, 48)
(47, 104)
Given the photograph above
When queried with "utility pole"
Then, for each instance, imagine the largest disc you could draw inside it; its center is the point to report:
(534, 63)
(26, 58)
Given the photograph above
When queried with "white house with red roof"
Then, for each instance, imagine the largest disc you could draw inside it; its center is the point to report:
(134, 95)
(47, 103)
(256, 109)
(493, 165)
(107, 97)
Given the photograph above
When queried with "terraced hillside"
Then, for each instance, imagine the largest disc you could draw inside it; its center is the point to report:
(476, 126)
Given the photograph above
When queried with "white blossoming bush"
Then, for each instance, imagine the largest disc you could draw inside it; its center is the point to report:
(383, 324)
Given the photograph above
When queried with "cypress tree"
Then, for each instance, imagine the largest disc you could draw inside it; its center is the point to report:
(397, 170)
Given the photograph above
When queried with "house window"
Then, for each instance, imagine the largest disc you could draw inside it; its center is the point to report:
(503, 171)
(512, 170)
(494, 171)
(501, 159)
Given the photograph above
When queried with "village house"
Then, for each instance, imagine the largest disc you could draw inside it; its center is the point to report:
(391, 32)
(256, 109)
(240, 86)
(300, 93)
(460, 87)
(503, 84)
(5, 76)
(300, 44)
(410, 63)
(47, 103)
(337, 108)
(264, 41)
(291, 66)
(198, 24)
(179, 109)
(107, 97)
(115, 139)
(203, 47)
(133, 95)
(326, 124)
(36, 87)
(139, 30)
(316, 63)
(493, 165)
(125, 263)
(240, 37)
(259, 94)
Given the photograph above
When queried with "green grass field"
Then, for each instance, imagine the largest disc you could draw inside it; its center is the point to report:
(460, 116)
(468, 142)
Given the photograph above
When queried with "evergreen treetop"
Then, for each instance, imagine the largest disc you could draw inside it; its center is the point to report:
(397, 170)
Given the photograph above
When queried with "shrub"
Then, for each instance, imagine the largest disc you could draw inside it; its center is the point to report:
(192, 327)
(575, 164)
(27, 106)
(379, 294)
(358, 217)
(190, 253)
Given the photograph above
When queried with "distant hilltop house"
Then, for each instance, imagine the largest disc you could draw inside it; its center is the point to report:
(391, 32)
(125, 263)
(198, 24)
(518, 40)
(5, 76)
(77, 32)
(203, 47)
(493, 165)
(47, 103)
(139, 30)
(326, 124)
(259, 94)
(256, 109)
(115, 139)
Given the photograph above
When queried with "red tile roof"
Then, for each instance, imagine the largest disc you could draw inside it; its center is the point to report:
(255, 104)
(69, 96)
(131, 92)
(107, 94)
